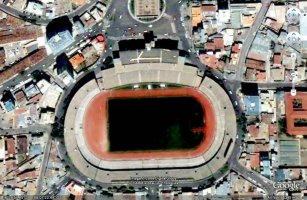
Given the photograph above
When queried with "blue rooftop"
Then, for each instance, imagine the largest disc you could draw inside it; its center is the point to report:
(35, 149)
(252, 105)
(9, 105)
(266, 168)
(280, 175)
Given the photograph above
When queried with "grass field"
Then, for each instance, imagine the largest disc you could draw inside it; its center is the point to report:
(168, 123)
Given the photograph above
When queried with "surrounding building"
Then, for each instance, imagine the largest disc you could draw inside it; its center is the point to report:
(78, 62)
(243, 61)
(296, 113)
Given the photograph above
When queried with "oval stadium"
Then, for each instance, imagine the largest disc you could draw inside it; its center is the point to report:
(112, 124)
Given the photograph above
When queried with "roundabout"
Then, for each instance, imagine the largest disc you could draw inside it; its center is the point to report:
(148, 11)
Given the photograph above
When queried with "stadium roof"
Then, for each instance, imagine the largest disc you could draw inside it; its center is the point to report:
(151, 56)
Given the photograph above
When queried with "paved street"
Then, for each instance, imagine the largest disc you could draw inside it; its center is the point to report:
(44, 165)
(44, 21)
(49, 60)
(169, 25)
(250, 38)
(37, 128)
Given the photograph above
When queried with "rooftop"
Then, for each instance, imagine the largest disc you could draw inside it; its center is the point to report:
(252, 105)
(296, 113)
(22, 144)
(50, 98)
(196, 15)
(209, 60)
(254, 160)
(76, 61)
(208, 8)
(23, 64)
(289, 152)
(10, 145)
(255, 64)
(60, 41)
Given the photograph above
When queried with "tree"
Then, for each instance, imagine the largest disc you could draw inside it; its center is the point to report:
(282, 125)
(187, 18)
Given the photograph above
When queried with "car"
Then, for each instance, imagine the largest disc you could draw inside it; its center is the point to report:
(129, 29)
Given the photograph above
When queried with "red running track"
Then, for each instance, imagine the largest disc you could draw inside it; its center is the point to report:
(95, 124)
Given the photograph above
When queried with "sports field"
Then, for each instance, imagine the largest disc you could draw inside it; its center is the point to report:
(136, 124)
(149, 124)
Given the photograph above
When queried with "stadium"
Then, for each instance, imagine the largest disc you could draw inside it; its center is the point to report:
(87, 124)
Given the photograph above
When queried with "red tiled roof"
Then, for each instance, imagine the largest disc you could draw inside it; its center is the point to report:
(209, 60)
(21, 110)
(28, 175)
(266, 118)
(277, 59)
(254, 160)
(261, 147)
(236, 48)
(218, 42)
(292, 113)
(36, 98)
(10, 146)
(2, 57)
(273, 24)
(20, 95)
(22, 144)
(255, 56)
(255, 64)
(208, 8)
(210, 46)
(261, 76)
(253, 130)
(100, 38)
(10, 164)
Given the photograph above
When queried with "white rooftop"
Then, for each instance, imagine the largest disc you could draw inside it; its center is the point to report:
(51, 97)
(43, 85)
